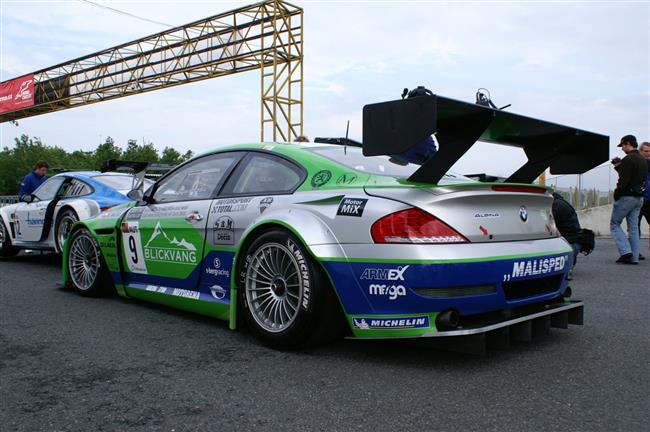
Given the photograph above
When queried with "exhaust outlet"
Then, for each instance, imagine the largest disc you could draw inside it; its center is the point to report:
(567, 293)
(447, 319)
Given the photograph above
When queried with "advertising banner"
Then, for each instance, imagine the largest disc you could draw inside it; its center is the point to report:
(17, 93)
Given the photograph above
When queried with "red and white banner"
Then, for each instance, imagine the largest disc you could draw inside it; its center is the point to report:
(17, 93)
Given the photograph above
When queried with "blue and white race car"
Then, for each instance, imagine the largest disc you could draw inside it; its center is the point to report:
(43, 220)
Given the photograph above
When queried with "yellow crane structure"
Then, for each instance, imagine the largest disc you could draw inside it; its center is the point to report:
(267, 36)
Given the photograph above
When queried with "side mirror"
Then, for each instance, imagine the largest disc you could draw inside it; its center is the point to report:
(27, 198)
(135, 194)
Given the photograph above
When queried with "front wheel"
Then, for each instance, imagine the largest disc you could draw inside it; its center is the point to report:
(6, 247)
(64, 224)
(287, 301)
(86, 267)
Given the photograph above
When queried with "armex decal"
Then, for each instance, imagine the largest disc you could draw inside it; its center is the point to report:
(384, 274)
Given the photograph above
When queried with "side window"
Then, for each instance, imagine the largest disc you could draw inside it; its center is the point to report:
(77, 188)
(265, 174)
(196, 180)
(48, 190)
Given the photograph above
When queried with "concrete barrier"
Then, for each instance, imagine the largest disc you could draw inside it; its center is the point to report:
(597, 220)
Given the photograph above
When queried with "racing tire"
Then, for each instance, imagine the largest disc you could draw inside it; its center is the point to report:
(6, 247)
(87, 270)
(64, 222)
(286, 299)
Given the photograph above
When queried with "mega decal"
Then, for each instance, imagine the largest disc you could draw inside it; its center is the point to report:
(321, 178)
(304, 273)
(351, 207)
(265, 203)
(390, 291)
(231, 205)
(368, 323)
(160, 247)
(223, 231)
(535, 267)
(384, 273)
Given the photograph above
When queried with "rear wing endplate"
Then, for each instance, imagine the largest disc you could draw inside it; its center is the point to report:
(394, 127)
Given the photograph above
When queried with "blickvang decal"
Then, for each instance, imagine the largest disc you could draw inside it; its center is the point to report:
(160, 247)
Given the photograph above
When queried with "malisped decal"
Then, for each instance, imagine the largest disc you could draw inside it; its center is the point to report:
(160, 247)
(397, 323)
(534, 267)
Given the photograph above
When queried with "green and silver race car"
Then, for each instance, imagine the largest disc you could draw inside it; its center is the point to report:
(309, 242)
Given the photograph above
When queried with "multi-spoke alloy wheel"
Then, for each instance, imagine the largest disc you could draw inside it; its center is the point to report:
(6, 248)
(87, 270)
(285, 297)
(63, 227)
(274, 287)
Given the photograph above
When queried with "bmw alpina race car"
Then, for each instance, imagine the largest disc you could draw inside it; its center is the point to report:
(43, 223)
(305, 242)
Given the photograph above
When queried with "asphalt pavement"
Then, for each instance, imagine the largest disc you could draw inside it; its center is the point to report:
(69, 363)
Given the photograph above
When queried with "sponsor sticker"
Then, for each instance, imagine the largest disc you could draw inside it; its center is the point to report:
(231, 205)
(346, 178)
(33, 221)
(540, 266)
(223, 231)
(352, 207)
(218, 292)
(216, 269)
(395, 323)
(161, 247)
(390, 291)
(487, 215)
(321, 178)
(385, 273)
(265, 203)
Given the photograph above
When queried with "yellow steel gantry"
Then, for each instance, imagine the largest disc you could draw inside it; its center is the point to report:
(266, 36)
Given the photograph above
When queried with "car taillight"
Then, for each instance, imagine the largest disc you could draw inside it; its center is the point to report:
(413, 226)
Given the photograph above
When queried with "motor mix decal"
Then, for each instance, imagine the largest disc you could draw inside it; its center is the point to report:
(352, 207)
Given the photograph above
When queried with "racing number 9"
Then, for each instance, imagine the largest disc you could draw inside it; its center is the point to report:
(133, 249)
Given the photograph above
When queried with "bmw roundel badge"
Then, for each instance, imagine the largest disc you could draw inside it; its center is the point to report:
(523, 213)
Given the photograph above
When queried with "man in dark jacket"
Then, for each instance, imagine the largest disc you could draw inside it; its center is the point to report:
(566, 221)
(645, 209)
(34, 179)
(632, 178)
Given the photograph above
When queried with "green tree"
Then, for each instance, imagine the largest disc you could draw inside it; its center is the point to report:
(171, 156)
(145, 152)
(107, 151)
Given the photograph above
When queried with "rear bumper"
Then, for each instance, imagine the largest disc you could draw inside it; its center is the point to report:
(496, 330)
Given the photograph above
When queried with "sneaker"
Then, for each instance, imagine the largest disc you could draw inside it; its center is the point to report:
(625, 259)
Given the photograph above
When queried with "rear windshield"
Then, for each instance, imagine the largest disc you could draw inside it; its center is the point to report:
(353, 157)
(120, 182)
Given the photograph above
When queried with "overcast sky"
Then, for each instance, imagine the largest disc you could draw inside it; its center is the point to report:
(580, 63)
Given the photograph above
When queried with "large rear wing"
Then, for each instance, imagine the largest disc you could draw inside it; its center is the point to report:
(140, 169)
(395, 127)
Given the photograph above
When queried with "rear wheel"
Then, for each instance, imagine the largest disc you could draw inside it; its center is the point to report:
(64, 224)
(287, 301)
(86, 267)
(6, 247)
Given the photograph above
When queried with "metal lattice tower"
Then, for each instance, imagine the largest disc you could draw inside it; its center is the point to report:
(266, 36)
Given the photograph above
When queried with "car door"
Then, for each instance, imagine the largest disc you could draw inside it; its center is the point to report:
(31, 219)
(258, 183)
(163, 241)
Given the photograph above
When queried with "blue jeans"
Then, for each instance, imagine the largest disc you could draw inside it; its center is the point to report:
(628, 208)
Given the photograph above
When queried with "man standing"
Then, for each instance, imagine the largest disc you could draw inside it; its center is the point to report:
(632, 177)
(34, 179)
(645, 210)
